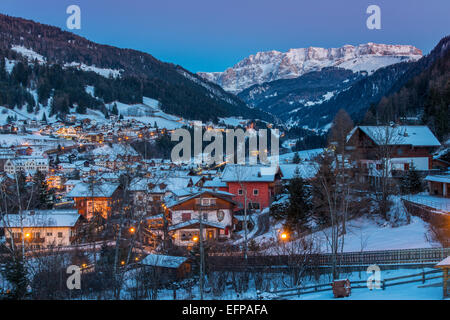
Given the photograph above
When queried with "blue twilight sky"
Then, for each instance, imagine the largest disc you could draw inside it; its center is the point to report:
(211, 35)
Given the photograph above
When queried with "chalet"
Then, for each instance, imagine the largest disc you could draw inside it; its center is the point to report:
(169, 268)
(41, 228)
(55, 182)
(8, 129)
(406, 146)
(216, 210)
(26, 164)
(257, 184)
(95, 137)
(439, 185)
(147, 195)
(6, 154)
(95, 198)
(70, 184)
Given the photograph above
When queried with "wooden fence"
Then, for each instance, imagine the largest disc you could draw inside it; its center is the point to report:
(360, 284)
(385, 257)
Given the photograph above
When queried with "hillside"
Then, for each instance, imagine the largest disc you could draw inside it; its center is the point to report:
(59, 65)
(422, 93)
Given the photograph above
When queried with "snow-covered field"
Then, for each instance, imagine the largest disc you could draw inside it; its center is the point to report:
(365, 234)
(431, 290)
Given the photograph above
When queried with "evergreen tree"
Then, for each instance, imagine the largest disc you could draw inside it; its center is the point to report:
(114, 110)
(296, 158)
(15, 272)
(44, 195)
(44, 118)
(412, 182)
(299, 207)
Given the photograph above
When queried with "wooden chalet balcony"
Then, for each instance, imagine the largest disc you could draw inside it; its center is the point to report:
(18, 240)
(198, 207)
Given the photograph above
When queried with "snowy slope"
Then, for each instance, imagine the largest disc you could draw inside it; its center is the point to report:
(365, 234)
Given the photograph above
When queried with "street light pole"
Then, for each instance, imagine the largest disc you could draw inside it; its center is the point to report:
(202, 253)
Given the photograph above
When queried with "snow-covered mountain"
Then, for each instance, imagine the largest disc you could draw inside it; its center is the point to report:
(274, 65)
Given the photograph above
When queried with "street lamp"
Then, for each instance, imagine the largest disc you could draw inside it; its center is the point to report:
(284, 236)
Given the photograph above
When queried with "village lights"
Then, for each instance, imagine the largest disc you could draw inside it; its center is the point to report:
(132, 230)
(284, 236)
(27, 235)
(122, 262)
(195, 238)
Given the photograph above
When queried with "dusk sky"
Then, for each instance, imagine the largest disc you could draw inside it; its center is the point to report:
(211, 35)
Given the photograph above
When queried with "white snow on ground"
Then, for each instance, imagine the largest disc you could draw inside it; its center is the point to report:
(148, 112)
(368, 234)
(29, 54)
(151, 102)
(438, 203)
(288, 144)
(371, 63)
(410, 291)
(9, 65)
(327, 96)
(101, 71)
(232, 121)
(90, 90)
(305, 155)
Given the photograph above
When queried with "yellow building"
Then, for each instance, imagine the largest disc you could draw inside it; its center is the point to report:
(40, 229)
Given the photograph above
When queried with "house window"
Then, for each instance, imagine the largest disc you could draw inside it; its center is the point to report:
(208, 202)
(406, 166)
(60, 234)
(254, 205)
(49, 234)
(255, 192)
(185, 216)
(240, 192)
(188, 235)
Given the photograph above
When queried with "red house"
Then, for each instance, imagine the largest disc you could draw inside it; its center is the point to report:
(256, 183)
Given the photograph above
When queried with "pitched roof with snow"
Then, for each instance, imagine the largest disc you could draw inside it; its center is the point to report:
(249, 173)
(444, 263)
(96, 190)
(439, 178)
(417, 136)
(188, 194)
(163, 261)
(214, 183)
(305, 170)
(192, 222)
